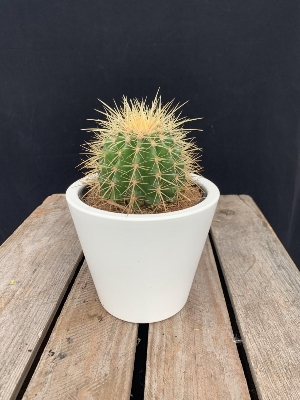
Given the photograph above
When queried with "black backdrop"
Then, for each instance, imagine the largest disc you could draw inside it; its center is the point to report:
(237, 62)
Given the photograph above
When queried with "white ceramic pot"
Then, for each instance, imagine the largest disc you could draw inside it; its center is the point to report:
(143, 265)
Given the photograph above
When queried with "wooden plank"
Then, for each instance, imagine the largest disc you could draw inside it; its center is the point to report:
(36, 265)
(193, 354)
(90, 354)
(264, 286)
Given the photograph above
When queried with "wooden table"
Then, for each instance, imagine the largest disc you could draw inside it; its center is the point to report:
(238, 336)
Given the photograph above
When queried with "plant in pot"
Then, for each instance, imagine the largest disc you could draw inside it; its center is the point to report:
(142, 212)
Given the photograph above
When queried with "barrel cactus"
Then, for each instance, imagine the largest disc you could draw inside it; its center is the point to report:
(140, 156)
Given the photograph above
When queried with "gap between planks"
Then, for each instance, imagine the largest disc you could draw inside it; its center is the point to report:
(37, 263)
(235, 329)
(90, 354)
(193, 355)
(47, 336)
(264, 288)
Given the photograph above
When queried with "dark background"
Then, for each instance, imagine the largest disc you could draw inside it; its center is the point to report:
(237, 62)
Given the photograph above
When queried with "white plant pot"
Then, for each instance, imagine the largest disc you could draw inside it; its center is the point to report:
(143, 265)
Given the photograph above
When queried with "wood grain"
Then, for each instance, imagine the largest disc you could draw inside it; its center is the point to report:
(36, 265)
(264, 286)
(90, 354)
(193, 354)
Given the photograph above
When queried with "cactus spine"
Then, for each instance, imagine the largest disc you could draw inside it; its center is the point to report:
(140, 155)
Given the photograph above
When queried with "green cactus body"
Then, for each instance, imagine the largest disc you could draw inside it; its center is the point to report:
(141, 156)
(141, 171)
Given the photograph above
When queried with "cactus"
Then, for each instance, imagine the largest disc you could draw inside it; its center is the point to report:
(140, 155)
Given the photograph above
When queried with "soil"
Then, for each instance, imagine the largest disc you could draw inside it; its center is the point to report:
(193, 197)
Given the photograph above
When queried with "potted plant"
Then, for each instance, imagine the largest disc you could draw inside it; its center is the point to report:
(138, 212)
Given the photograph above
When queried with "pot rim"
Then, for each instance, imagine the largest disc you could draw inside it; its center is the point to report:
(212, 197)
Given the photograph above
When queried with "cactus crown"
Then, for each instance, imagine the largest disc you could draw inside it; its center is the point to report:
(140, 156)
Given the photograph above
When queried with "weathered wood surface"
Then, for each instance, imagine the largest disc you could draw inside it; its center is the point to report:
(90, 354)
(36, 264)
(264, 286)
(193, 355)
